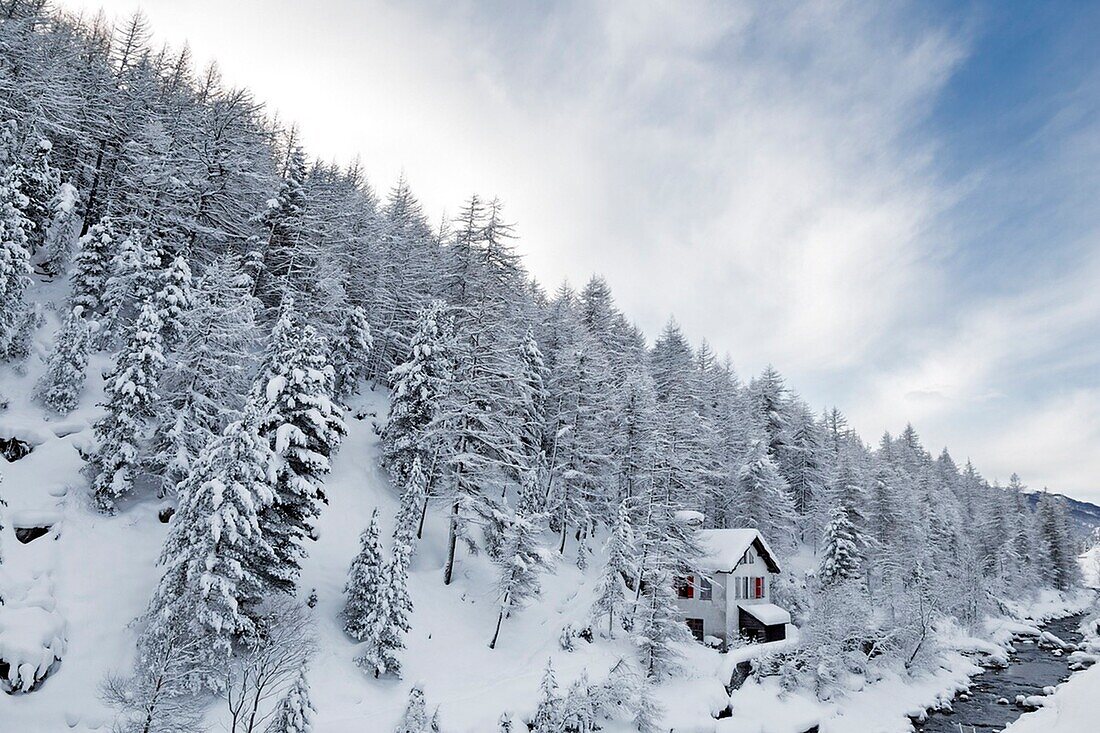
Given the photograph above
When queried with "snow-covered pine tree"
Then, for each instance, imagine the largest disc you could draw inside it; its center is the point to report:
(410, 514)
(363, 587)
(611, 594)
(296, 711)
(415, 719)
(283, 219)
(549, 713)
(521, 560)
(397, 606)
(417, 389)
(131, 282)
(842, 549)
(762, 499)
(304, 426)
(130, 395)
(173, 298)
(62, 383)
(40, 184)
(62, 231)
(92, 266)
(351, 353)
(202, 385)
(505, 724)
(15, 253)
(216, 559)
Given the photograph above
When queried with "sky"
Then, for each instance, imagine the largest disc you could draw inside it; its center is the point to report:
(895, 204)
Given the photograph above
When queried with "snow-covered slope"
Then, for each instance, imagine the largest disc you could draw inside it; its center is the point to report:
(100, 572)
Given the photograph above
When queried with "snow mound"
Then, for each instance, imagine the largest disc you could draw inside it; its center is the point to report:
(32, 636)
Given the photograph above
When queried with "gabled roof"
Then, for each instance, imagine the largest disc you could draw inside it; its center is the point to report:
(724, 548)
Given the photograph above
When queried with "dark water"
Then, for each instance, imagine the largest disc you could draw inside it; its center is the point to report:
(1030, 669)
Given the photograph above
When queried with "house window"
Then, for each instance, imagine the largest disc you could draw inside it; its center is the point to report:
(758, 588)
(684, 587)
(706, 591)
(696, 626)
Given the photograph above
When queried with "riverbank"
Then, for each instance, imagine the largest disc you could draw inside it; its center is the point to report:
(887, 703)
(1073, 706)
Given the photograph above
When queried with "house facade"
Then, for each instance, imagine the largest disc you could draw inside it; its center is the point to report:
(730, 596)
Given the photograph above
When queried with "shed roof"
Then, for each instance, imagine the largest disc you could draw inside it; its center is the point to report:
(724, 548)
(768, 614)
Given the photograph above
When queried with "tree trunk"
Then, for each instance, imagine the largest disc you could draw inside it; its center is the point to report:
(451, 542)
(500, 618)
(92, 203)
(423, 514)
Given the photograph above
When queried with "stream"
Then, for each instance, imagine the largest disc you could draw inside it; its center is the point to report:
(1030, 669)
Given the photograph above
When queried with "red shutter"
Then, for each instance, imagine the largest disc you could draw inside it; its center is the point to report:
(759, 587)
(684, 587)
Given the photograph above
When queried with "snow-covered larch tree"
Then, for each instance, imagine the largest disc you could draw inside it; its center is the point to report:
(658, 626)
(521, 559)
(762, 499)
(549, 713)
(611, 594)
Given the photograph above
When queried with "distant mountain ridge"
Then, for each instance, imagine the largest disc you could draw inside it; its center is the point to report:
(1085, 515)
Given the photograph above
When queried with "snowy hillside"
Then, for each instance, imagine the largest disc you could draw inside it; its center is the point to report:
(98, 573)
(280, 454)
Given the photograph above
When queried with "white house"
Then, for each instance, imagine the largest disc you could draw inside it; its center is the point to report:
(731, 595)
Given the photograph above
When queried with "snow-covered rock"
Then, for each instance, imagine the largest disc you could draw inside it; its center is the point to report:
(32, 643)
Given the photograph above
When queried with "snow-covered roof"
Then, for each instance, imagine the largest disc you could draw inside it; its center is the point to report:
(690, 516)
(768, 614)
(724, 548)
